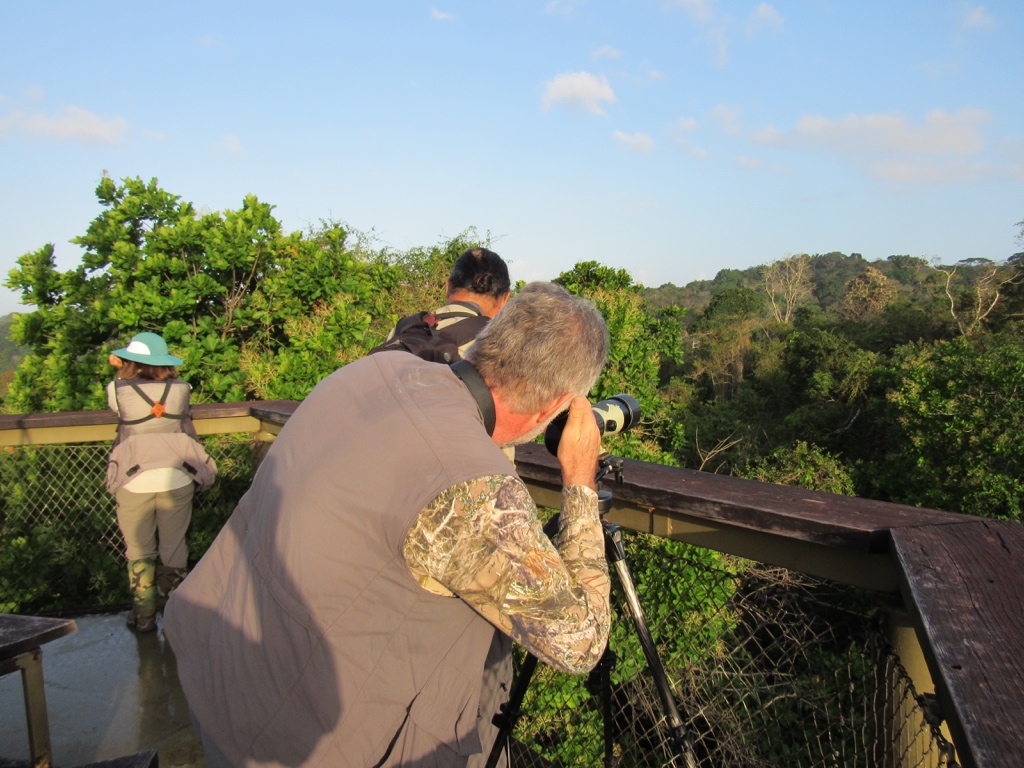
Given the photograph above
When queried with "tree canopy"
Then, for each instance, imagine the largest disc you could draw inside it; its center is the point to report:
(894, 379)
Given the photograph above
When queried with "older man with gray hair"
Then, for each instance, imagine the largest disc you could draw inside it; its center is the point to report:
(356, 609)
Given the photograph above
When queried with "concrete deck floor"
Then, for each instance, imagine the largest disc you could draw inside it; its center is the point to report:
(109, 692)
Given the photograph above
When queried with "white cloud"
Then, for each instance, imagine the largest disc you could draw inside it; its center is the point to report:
(210, 41)
(940, 133)
(976, 17)
(637, 142)
(656, 74)
(230, 144)
(728, 117)
(928, 171)
(941, 69)
(686, 124)
(578, 90)
(699, 10)
(72, 124)
(718, 37)
(441, 15)
(606, 52)
(563, 7)
(764, 16)
(756, 164)
(680, 135)
(942, 148)
(35, 93)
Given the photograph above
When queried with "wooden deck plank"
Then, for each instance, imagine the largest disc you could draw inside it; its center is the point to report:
(965, 588)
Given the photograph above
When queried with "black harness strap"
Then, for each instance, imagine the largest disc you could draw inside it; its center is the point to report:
(153, 414)
(478, 389)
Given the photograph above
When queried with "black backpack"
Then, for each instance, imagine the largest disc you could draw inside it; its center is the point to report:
(420, 335)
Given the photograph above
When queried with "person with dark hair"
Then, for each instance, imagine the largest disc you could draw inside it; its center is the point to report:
(476, 290)
(155, 464)
(359, 605)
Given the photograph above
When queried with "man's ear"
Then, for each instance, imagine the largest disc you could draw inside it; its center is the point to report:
(555, 407)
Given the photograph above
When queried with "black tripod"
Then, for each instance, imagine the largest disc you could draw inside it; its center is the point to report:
(599, 681)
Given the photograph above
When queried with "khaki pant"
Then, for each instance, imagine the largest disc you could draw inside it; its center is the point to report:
(146, 517)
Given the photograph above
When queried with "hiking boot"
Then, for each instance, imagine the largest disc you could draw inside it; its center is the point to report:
(142, 621)
(141, 580)
(167, 580)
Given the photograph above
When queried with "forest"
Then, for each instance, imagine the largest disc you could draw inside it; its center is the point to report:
(894, 379)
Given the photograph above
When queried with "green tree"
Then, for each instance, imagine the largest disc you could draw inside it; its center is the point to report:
(642, 343)
(805, 465)
(722, 339)
(866, 296)
(958, 415)
(226, 290)
(419, 278)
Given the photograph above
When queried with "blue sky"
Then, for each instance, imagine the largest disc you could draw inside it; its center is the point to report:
(673, 138)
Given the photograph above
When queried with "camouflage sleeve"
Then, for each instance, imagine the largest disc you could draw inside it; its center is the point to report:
(482, 541)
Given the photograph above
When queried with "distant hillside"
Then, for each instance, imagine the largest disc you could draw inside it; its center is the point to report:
(831, 272)
(11, 355)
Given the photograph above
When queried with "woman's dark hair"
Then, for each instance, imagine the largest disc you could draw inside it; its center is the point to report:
(133, 370)
(481, 271)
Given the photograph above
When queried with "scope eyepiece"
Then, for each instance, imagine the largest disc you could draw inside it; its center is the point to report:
(614, 415)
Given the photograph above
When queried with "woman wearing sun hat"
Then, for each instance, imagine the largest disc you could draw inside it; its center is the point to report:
(155, 465)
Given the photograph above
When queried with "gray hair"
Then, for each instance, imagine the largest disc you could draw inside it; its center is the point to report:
(544, 344)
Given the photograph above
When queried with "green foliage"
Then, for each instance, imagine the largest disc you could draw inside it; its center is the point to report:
(251, 310)
(722, 340)
(60, 546)
(960, 425)
(691, 597)
(641, 345)
(417, 278)
(803, 466)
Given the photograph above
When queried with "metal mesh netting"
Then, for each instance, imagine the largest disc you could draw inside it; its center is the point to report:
(60, 547)
(767, 667)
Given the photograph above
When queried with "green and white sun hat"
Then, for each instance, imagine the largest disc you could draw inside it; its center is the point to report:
(148, 348)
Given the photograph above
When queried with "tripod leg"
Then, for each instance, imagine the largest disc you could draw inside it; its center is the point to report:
(599, 683)
(681, 739)
(511, 710)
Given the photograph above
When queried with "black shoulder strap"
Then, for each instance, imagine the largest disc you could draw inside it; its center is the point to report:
(150, 402)
(478, 389)
(412, 320)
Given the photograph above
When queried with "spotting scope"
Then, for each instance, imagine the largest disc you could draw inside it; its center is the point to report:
(614, 415)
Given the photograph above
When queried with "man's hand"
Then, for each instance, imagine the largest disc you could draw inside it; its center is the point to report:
(580, 445)
(115, 361)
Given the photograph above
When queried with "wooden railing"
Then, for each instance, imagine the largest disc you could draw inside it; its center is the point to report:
(959, 578)
(954, 583)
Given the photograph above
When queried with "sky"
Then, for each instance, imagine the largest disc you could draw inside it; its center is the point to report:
(672, 138)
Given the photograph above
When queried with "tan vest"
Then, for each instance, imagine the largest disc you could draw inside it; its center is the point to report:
(301, 637)
(154, 443)
(131, 407)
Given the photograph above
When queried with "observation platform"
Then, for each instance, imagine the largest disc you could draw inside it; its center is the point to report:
(109, 692)
(910, 621)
